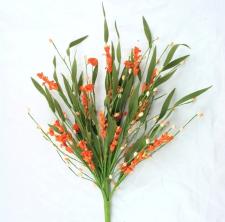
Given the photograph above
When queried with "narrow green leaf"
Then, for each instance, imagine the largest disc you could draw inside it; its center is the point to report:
(147, 32)
(94, 74)
(59, 110)
(163, 79)
(118, 52)
(112, 51)
(103, 9)
(54, 62)
(68, 89)
(166, 104)
(171, 53)
(77, 41)
(38, 86)
(74, 76)
(136, 147)
(106, 31)
(191, 96)
(133, 103)
(174, 62)
(80, 82)
(50, 100)
(151, 66)
(68, 52)
(60, 90)
(117, 32)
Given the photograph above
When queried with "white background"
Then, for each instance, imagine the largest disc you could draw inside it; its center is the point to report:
(183, 182)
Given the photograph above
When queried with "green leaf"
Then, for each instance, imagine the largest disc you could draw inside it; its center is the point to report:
(50, 100)
(106, 29)
(151, 66)
(103, 9)
(166, 104)
(172, 51)
(191, 96)
(68, 89)
(126, 91)
(94, 75)
(136, 147)
(133, 104)
(118, 52)
(163, 79)
(38, 86)
(74, 75)
(112, 51)
(111, 129)
(174, 62)
(77, 41)
(80, 82)
(68, 52)
(60, 90)
(54, 62)
(117, 32)
(59, 110)
(147, 32)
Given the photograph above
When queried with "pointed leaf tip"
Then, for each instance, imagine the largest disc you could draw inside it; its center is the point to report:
(77, 41)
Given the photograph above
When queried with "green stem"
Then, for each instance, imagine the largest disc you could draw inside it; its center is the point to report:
(106, 194)
(107, 209)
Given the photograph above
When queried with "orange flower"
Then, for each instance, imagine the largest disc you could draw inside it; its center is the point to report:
(69, 149)
(51, 132)
(154, 74)
(93, 61)
(63, 138)
(59, 126)
(109, 60)
(51, 84)
(135, 64)
(76, 127)
(137, 57)
(61, 135)
(145, 87)
(128, 64)
(84, 101)
(102, 124)
(165, 138)
(115, 138)
(126, 169)
(86, 154)
(87, 88)
(82, 144)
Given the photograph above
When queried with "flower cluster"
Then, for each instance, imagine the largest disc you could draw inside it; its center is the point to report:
(84, 101)
(102, 124)
(115, 138)
(76, 127)
(86, 154)
(62, 136)
(136, 61)
(87, 88)
(165, 138)
(128, 168)
(145, 85)
(51, 84)
(93, 61)
(109, 60)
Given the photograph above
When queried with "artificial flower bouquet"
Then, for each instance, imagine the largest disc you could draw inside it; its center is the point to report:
(105, 146)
